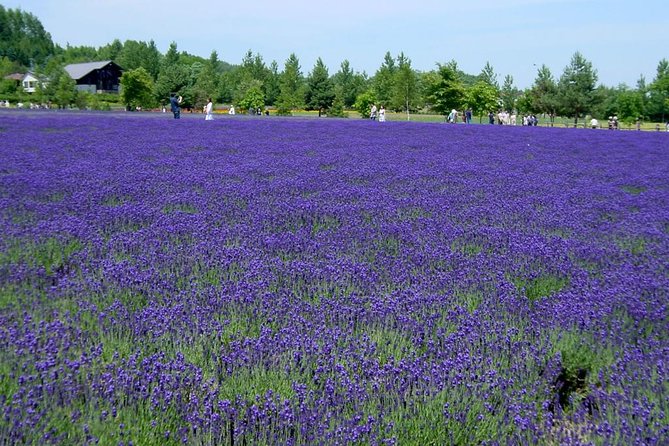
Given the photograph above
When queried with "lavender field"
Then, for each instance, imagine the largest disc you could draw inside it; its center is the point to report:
(330, 282)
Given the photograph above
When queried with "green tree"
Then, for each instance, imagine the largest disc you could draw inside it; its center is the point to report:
(136, 54)
(384, 80)
(509, 94)
(63, 92)
(622, 101)
(23, 38)
(137, 88)
(488, 75)
(405, 86)
(173, 76)
(253, 67)
(352, 83)
(543, 96)
(364, 102)
(576, 87)
(206, 81)
(320, 89)
(445, 90)
(659, 92)
(291, 95)
(78, 54)
(272, 85)
(629, 104)
(111, 51)
(8, 86)
(482, 98)
(251, 96)
(337, 107)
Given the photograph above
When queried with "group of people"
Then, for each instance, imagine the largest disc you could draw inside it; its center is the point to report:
(208, 109)
(380, 113)
(502, 118)
(454, 115)
(613, 123)
(31, 106)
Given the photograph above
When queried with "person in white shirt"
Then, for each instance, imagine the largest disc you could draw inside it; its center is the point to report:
(208, 110)
(594, 123)
(382, 114)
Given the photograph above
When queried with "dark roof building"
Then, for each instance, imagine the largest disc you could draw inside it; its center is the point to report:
(96, 77)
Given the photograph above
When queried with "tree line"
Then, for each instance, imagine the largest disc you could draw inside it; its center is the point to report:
(150, 77)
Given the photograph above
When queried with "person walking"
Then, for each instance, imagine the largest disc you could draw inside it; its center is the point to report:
(175, 102)
(208, 110)
(372, 113)
(382, 114)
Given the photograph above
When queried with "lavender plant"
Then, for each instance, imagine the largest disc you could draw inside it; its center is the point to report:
(307, 282)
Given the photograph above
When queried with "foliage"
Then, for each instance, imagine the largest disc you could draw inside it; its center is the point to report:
(659, 92)
(133, 54)
(445, 90)
(482, 98)
(60, 89)
(383, 81)
(291, 94)
(576, 87)
(543, 95)
(364, 102)
(23, 38)
(205, 83)
(489, 76)
(173, 76)
(337, 107)
(272, 84)
(320, 90)
(405, 86)
(25, 45)
(509, 94)
(250, 95)
(351, 83)
(137, 88)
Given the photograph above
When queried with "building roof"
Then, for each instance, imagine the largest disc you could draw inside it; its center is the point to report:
(79, 70)
(15, 76)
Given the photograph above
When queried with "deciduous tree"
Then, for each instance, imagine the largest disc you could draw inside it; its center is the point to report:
(445, 90)
(405, 86)
(23, 38)
(137, 88)
(482, 98)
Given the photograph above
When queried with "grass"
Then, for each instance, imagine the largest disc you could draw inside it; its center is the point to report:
(52, 254)
(540, 287)
(635, 245)
(186, 208)
(581, 358)
(634, 190)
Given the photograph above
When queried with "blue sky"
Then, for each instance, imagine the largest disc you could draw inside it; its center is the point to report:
(623, 40)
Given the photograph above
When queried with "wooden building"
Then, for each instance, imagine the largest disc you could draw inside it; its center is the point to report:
(96, 77)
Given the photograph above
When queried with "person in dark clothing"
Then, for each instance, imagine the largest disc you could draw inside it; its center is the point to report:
(175, 101)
